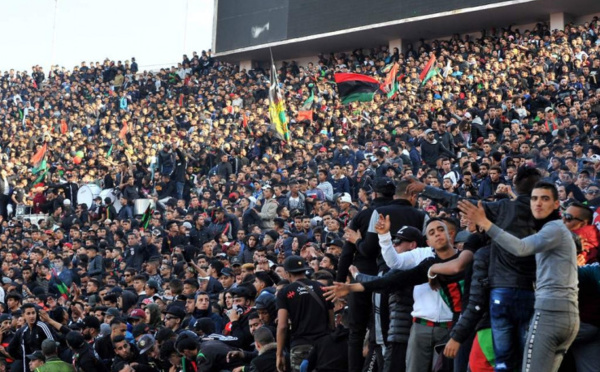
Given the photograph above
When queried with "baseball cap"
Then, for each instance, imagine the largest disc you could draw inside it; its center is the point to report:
(175, 310)
(408, 234)
(91, 322)
(36, 355)
(145, 343)
(153, 284)
(227, 271)
(548, 109)
(592, 159)
(385, 186)
(345, 198)
(294, 264)
(113, 311)
(140, 329)
(428, 131)
(336, 242)
(137, 314)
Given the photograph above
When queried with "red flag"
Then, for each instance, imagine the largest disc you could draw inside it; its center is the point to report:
(123, 131)
(181, 100)
(37, 158)
(244, 120)
(305, 115)
(428, 67)
(63, 126)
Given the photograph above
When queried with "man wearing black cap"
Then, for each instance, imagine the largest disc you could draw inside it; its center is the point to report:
(302, 303)
(91, 329)
(239, 318)
(84, 358)
(174, 317)
(36, 360)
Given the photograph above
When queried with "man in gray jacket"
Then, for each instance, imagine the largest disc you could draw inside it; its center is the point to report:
(268, 211)
(556, 317)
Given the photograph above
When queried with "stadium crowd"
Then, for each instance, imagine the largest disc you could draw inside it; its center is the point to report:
(156, 221)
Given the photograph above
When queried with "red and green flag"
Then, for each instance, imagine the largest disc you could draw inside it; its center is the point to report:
(61, 286)
(39, 156)
(434, 71)
(428, 68)
(356, 87)
(146, 217)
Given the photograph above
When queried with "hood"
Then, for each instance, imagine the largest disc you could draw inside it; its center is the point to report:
(129, 300)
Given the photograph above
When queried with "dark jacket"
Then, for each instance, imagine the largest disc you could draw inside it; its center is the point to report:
(475, 316)
(350, 254)
(330, 353)
(85, 361)
(400, 307)
(96, 267)
(27, 340)
(212, 357)
(267, 361)
(430, 152)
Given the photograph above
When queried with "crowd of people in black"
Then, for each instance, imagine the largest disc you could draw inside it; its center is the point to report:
(157, 221)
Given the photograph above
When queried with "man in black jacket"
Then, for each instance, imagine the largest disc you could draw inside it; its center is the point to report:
(431, 149)
(267, 351)
(355, 253)
(402, 214)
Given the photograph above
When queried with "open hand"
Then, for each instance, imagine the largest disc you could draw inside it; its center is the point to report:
(415, 186)
(474, 214)
(351, 235)
(337, 290)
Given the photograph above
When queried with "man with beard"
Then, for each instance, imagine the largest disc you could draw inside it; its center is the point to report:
(91, 329)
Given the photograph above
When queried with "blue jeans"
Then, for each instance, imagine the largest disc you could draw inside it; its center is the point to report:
(511, 310)
(180, 186)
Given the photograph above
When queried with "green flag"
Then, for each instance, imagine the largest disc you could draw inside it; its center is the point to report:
(109, 151)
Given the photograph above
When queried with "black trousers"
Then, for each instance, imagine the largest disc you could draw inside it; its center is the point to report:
(4, 200)
(359, 313)
(394, 358)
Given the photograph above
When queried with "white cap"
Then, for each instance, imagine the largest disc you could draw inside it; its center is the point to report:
(345, 198)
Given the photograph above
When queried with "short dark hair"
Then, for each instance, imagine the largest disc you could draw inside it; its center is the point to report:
(547, 186)
(587, 214)
(263, 336)
(117, 339)
(525, 180)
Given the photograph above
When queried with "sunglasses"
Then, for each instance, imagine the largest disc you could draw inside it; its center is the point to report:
(569, 217)
(397, 241)
(170, 318)
(592, 192)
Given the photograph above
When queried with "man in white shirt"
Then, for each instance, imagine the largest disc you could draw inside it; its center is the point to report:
(431, 313)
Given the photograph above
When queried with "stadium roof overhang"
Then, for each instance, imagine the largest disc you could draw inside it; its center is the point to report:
(427, 27)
